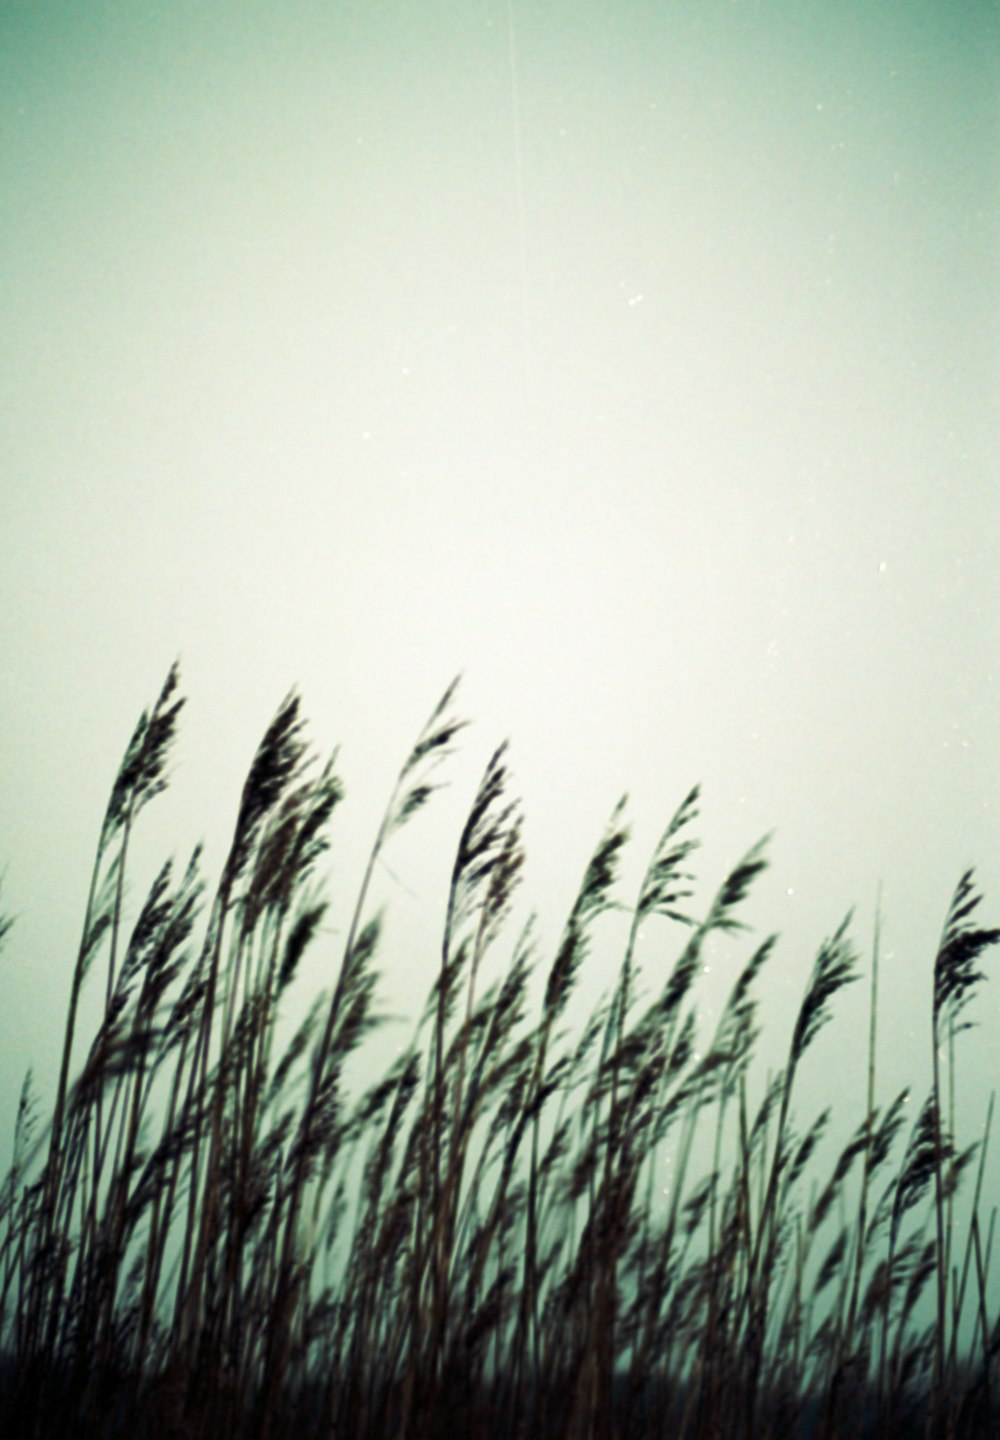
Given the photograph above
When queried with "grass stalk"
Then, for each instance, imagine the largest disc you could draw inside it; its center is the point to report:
(215, 1238)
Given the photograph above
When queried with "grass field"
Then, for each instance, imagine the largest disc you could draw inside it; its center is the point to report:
(211, 1235)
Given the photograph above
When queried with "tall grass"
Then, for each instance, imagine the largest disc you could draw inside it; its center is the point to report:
(213, 1236)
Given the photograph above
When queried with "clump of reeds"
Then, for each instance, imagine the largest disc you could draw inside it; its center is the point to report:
(212, 1236)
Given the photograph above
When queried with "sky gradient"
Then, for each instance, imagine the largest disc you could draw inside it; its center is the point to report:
(640, 361)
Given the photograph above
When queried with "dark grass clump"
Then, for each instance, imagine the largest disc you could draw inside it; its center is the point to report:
(212, 1236)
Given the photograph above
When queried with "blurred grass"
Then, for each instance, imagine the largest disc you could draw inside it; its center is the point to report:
(211, 1235)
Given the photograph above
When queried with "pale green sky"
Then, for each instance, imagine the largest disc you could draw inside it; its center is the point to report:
(644, 368)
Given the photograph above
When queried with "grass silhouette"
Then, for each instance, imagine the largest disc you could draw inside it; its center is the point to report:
(212, 1237)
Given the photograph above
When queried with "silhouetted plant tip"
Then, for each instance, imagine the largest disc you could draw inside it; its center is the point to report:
(955, 973)
(606, 1226)
(142, 773)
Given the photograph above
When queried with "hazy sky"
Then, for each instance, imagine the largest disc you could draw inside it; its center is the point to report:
(638, 359)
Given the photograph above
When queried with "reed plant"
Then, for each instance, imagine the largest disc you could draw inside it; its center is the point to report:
(215, 1235)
